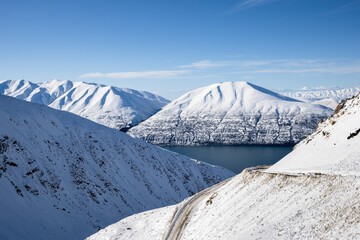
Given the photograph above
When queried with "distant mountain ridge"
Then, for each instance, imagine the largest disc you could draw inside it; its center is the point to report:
(118, 108)
(231, 113)
(330, 97)
(64, 177)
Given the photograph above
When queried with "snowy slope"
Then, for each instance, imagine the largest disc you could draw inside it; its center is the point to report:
(254, 205)
(327, 97)
(65, 177)
(111, 106)
(231, 113)
(333, 148)
(312, 193)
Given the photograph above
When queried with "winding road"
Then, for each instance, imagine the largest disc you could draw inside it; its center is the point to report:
(181, 217)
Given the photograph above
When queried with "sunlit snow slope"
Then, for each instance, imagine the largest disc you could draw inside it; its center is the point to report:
(333, 148)
(313, 193)
(114, 107)
(65, 177)
(231, 113)
(253, 206)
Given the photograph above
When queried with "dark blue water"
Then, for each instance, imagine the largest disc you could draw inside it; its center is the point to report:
(234, 158)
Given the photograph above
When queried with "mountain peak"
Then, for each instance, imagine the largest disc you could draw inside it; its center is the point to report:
(231, 113)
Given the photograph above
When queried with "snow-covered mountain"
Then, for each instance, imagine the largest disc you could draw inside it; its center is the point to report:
(327, 97)
(312, 193)
(114, 107)
(231, 113)
(65, 177)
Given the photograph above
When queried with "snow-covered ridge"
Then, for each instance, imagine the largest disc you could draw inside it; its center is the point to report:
(65, 177)
(334, 148)
(111, 106)
(231, 113)
(327, 97)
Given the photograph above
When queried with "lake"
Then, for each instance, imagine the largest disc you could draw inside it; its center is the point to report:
(234, 158)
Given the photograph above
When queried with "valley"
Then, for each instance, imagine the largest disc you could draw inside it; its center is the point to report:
(311, 193)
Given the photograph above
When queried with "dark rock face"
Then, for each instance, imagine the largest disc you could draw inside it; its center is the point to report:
(267, 129)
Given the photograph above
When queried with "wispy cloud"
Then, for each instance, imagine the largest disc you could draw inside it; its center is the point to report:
(208, 69)
(333, 66)
(333, 70)
(128, 75)
(245, 4)
(350, 6)
(205, 64)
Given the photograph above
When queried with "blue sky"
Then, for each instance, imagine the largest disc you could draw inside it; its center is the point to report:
(170, 47)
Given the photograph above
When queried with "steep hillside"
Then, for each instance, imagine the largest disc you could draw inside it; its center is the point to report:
(231, 113)
(65, 177)
(333, 148)
(312, 193)
(114, 107)
(253, 205)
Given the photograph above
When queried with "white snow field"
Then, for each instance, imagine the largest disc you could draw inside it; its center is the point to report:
(111, 106)
(65, 177)
(329, 97)
(231, 113)
(313, 193)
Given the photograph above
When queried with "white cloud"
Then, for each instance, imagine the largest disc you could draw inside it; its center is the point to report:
(334, 70)
(250, 63)
(245, 4)
(204, 64)
(207, 69)
(145, 74)
(333, 66)
(215, 64)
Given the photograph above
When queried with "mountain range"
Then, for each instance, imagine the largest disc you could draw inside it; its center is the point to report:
(119, 108)
(329, 97)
